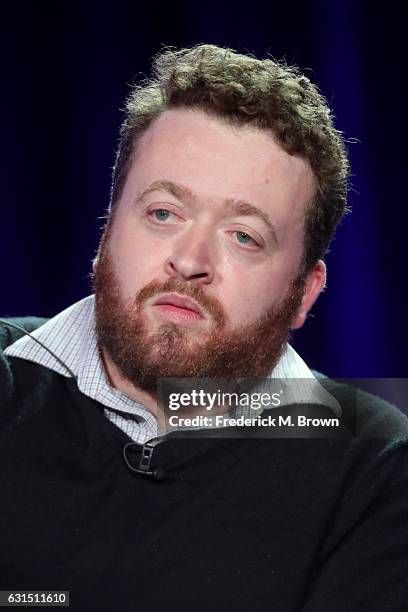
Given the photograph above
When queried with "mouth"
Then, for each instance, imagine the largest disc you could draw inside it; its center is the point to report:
(178, 308)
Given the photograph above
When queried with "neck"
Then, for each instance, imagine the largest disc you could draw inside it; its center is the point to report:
(146, 398)
(118, 381)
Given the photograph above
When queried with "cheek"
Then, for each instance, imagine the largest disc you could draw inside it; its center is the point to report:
(135, 262)
(131, 242)
(246, 297)
(249, 295)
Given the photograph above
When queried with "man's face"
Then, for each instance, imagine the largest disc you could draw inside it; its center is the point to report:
(186, 225)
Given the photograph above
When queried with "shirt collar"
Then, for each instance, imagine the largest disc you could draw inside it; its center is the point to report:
(71, 336)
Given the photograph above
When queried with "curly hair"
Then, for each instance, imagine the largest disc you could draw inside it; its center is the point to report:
(241, 89)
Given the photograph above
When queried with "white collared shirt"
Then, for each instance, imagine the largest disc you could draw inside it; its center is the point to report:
(71, 336)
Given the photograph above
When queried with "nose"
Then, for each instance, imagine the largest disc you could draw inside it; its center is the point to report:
(192, 259)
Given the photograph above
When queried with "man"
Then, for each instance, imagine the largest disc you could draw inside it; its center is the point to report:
(229, 182)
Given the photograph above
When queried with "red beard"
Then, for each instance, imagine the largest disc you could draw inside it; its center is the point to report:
(173, 351)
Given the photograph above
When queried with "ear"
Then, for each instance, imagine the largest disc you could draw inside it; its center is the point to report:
(315, 283)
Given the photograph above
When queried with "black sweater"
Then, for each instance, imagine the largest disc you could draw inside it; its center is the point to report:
(236, 524)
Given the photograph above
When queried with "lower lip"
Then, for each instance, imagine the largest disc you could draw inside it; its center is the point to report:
(175, 313)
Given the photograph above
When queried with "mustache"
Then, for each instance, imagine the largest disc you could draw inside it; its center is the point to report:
(209, 304)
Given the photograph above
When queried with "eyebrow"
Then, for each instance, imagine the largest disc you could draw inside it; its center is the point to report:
(239, 207)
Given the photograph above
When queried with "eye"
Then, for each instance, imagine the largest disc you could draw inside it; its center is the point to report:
(160, 214)
(245, 239)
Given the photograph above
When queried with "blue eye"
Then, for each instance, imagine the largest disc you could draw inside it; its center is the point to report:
(246, 238)
(162, 214)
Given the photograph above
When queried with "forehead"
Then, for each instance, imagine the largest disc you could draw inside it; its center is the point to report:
(217, 161)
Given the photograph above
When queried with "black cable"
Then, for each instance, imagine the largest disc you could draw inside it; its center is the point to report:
(157, 473)
(39, 342)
